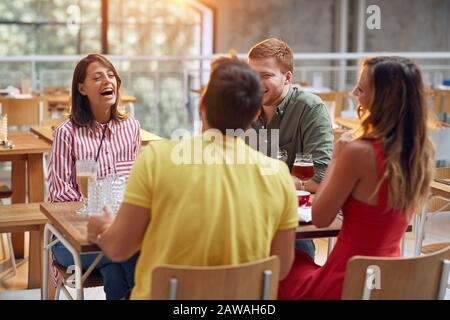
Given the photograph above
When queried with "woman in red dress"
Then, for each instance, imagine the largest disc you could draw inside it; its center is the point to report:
(378, 177)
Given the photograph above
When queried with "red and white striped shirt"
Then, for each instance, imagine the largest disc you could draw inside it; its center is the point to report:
(117, 154)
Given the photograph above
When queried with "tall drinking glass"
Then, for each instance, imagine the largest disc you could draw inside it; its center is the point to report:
(86, 174)
(303, 167)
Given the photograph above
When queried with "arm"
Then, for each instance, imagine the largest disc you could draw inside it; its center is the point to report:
(137, 138)
(341, 177)
(283, 242)
(317, 138)
(310, 185)
(120, 237)
(61, 181)
(283, 247)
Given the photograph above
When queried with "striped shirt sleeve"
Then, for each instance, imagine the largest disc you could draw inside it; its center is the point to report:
(61, 182)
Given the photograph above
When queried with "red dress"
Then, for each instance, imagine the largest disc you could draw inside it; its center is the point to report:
(368, 230)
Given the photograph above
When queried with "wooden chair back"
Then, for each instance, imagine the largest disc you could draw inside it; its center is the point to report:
(56, 91)
(338, 97)
(441, 101)
(23, 111)
(249, 281)
(417, 278)
(435, 203)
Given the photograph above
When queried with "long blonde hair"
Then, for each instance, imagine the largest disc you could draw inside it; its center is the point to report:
(397, 116)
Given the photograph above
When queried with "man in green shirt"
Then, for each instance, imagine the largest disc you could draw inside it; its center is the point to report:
(302, 118)
(299, 119)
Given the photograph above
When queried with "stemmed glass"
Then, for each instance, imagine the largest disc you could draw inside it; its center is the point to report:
(303, 168)
(86, 174)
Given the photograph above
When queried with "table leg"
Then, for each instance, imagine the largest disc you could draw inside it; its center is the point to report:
(35, 178)
(35, 258)
(18, 178)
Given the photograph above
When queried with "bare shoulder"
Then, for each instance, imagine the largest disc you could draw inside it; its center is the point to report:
(358, 152)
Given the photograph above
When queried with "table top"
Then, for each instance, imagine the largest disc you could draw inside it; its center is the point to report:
(65, 99)
(72, 225)
(25, 143)
(353, 123)
(46, 133)
(310, 231)
(349, 123)
(440, 188)
(20, 214)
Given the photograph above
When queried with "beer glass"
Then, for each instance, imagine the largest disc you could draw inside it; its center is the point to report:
(303, 168)
(86, 174)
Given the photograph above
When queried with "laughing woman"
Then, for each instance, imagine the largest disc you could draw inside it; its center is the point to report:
(96, 130)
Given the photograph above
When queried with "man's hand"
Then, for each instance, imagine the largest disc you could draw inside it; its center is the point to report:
(99, 223)
(310, 185)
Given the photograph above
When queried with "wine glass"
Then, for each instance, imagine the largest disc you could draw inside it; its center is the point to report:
(86, 174)
(303, 168)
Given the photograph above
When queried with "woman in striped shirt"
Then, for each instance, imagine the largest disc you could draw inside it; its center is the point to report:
(96, 130)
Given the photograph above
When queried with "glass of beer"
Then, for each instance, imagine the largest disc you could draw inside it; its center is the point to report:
(86, 174)
(303, 167)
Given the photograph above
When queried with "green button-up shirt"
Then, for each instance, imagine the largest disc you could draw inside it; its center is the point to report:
(304, 127)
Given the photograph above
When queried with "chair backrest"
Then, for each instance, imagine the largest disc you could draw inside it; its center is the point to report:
(437, 203)
(249, 281)
(23, 112)
(375, 278)
(441, 101)
(56, 91)
(339, 98)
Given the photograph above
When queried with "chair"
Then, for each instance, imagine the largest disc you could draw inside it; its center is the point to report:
(433, 247)
(23, 111)
(5, 192)
(441, 101)
(435, 204)
(338, 132)
(66, 279)
(339, 98)
(417, 278)
(249, 281)
(56, 91)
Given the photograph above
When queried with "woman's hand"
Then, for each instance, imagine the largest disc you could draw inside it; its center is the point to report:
(99, 223)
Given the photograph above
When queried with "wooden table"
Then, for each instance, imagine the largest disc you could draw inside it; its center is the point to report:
(71, 229)
(347, 123)
(310, 231)
(353, 123)
(46, 133)
(441, 188)
(21, 218)
(441, 101)
(27, 166)
(62, 102)
(72, 225)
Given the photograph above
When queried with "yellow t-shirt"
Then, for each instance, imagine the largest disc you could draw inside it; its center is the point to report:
(210, 212)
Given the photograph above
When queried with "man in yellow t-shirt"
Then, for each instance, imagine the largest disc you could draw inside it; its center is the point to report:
(208, 200)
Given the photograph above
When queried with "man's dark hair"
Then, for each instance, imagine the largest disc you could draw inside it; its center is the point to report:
(233, 96)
